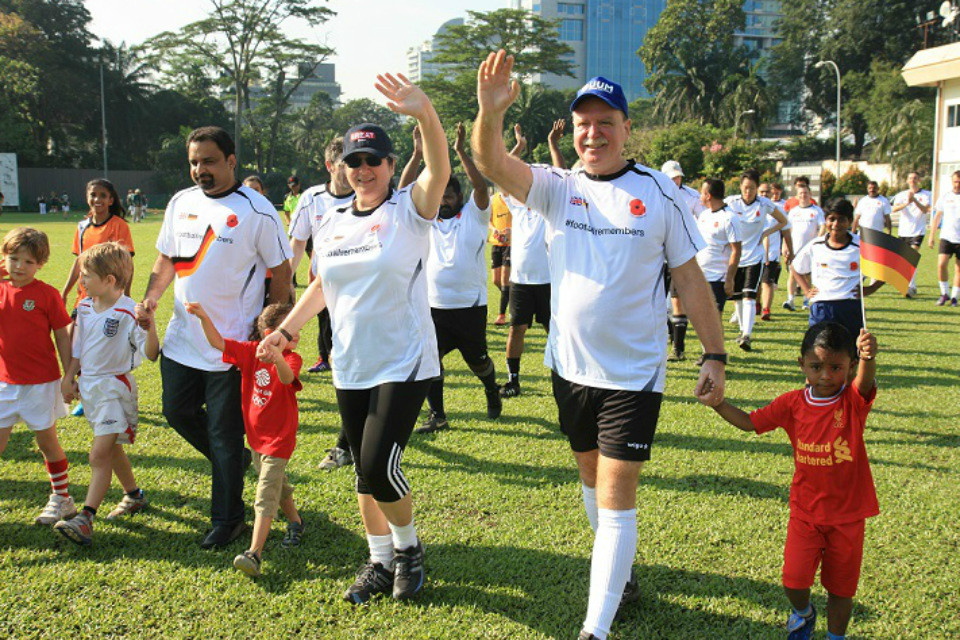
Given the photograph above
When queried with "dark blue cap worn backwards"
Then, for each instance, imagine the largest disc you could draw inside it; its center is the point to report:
(607, 90)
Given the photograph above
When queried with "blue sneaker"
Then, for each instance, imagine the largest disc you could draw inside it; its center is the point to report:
(77, 410)
(800, 628)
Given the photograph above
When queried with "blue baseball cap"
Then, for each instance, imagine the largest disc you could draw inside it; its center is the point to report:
(607, 90)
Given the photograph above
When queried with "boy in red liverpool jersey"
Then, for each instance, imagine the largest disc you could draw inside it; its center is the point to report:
(832, 492)
(270, 418)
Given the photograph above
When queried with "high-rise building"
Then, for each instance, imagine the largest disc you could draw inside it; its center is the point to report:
(316, 78)
(420, 62)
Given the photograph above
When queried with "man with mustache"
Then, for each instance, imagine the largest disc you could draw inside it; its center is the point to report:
(217, 241)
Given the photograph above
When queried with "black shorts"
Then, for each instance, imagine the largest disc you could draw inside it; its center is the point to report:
(771, 273)
(463, 329)
(499, 256)
(913, 241)
(309, 248)
(528, 301)
(949, 248)
(746, 282)
(719, 294)
(620, 423)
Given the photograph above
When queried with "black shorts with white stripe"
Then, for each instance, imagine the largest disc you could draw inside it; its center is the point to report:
(746, 282)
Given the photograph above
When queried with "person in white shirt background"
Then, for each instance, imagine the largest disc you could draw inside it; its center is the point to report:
(873, 211)
(913, 204)
(948, 212)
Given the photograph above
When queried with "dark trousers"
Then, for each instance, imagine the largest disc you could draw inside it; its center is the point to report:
(204, 408)
(324, 335)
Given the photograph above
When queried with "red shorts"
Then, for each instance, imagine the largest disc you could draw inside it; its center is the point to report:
(838, 547)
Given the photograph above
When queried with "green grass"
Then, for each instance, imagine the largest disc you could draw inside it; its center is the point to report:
(498, 507)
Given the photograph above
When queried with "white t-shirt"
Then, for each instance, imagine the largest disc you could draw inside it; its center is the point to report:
(692, 198)
(221, 248)
(109, 343)
(835, 272)
(608, 240)
(719, 228)
(372, 267)
(949, 205)
(753, 221)
(775, 240)
(456, 273)
(529, 255)
(913, 222)
(872, 212)
(311, 206)
(805, 223)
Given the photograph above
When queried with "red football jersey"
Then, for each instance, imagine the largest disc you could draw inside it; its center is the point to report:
(832, 483)
(269, 407)
(27, 316)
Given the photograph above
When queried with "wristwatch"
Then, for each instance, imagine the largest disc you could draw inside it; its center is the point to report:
(719, 357)
(289, 338)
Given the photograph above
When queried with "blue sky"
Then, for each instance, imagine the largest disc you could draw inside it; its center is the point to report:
(358, 60)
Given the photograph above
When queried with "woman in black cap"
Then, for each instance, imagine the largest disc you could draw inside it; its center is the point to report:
(371, 259)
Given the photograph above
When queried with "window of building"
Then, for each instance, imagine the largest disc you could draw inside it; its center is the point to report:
(952, 116)
(571, 30)
(570, 9)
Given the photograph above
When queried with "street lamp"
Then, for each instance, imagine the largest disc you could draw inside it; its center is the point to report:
(837, 69)
(736, 121)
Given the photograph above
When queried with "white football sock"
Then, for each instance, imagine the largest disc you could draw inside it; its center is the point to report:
(590, 504)
(404, 537)
(955, 293)
(944, 287)
(614, 548)
(749, 316)
(381, 549)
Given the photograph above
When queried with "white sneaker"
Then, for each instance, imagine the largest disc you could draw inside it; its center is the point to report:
(58, 508)
(734, 319)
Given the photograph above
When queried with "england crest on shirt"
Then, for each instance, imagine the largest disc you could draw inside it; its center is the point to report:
(110, 327)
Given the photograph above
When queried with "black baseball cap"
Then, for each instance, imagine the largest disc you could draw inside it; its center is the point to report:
(366, 138)
(293, 180)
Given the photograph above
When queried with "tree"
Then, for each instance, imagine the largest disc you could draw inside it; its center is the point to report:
(533, 41)
(236, 40)
(689, 54)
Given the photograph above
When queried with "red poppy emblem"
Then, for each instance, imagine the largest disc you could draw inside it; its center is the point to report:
(716, 225)
(637, 208)
(853, 266)
(232, 221)
(375, 228)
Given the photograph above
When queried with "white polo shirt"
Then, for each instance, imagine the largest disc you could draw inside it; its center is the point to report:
(719, 228)
(949, 206)
(753, 221)
(109, 343)
(609, 237)
(913, 222)
(529, 255)
(872, 212)
(805, 223)
(372, 267)
(456, 273)
(835, 272)
(221, 248)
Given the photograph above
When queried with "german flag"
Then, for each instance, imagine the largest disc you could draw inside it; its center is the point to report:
(883, 257)
(187, 266)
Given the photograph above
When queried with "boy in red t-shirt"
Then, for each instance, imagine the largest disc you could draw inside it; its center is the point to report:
(29, 373)
(832, 493)
(268, 394)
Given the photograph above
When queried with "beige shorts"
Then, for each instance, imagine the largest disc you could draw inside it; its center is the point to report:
(272, 486)
(110, 405)
(38, 405)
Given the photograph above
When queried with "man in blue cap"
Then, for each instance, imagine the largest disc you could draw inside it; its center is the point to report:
(611, 225)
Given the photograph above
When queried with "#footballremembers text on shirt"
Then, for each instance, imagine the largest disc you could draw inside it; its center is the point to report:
(604, 231)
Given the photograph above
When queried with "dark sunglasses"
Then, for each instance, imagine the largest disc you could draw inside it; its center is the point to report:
(355, 161)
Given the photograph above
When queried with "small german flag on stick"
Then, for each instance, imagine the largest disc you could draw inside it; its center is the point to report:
(883, 257)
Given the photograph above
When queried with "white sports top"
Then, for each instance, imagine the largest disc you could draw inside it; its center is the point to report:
(529, 253)
(872, 212)
(719, 228)
(109, 343)
(456, 272)
(753, 222)
(835, 272)
(221, 248)
(805, 222)
(372, 267)
(913, 222)
(949, 204)
(609, 237)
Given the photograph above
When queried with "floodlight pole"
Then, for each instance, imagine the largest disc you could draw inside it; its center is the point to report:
(103, 121)
(837, 69)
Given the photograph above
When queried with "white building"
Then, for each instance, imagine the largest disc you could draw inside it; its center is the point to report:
(940, 67)
(420, 63)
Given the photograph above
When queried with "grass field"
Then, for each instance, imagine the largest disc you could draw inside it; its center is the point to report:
(498, 508)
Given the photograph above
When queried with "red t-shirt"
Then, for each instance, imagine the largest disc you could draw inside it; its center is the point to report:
(269, 406)
(832, 483)
(27, 316)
